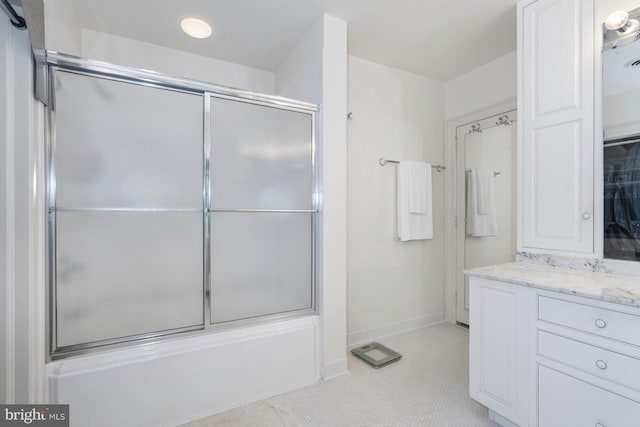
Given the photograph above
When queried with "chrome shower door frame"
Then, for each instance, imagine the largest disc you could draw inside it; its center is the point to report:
(55, 62)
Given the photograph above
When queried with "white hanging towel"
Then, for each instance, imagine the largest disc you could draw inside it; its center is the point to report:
(481, 204)
(415, 213)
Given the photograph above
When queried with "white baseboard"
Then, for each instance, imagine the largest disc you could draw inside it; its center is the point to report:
(335, 369)
(367, 335)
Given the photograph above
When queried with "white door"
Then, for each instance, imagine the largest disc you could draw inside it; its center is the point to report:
(492, 150)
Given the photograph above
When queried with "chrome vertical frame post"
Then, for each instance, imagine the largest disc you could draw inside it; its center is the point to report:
(206, 209)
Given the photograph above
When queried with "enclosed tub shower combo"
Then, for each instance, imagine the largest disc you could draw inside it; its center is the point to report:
(176, 209)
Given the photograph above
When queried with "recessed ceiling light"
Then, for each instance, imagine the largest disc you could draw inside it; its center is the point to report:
(196, 28)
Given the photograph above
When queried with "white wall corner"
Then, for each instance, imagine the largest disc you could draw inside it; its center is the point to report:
(300, 74)
(316, 71)
(63, 31)
(335, 369)
(333, 292)
(489, 84)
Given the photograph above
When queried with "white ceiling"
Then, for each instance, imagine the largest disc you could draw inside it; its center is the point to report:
(441, 39)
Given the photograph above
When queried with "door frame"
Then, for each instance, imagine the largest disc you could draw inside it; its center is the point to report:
(454, 244)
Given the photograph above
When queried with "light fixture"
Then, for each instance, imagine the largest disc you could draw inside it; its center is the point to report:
(196, 28)
(619, 21)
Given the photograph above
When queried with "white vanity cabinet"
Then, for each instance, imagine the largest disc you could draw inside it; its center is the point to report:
(556, 126)
(587, 362)
(498, 347)
(552, 359)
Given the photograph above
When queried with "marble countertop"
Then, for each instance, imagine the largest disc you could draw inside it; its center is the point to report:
(616, 288)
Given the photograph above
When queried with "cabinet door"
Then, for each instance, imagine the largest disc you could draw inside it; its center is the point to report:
(556, 144)
(498, 347)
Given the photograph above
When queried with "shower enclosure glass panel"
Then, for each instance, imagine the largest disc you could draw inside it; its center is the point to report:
(260, 157)
(261, 210)
(260, 264)
(127, 273)
(126, 210)
(124, 145)
(173, 206)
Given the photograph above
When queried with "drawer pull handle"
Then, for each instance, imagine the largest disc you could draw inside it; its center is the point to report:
(601, 323)
(599, 425)
(601, 364)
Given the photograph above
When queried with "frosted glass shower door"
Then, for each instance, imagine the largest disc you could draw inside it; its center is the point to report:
(262, 213)
(126, 203)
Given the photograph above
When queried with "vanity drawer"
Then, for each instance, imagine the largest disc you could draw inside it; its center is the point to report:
(566, 401)
(599, 321)
(608, 365)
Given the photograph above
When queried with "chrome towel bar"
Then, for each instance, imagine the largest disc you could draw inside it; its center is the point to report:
(384, 161)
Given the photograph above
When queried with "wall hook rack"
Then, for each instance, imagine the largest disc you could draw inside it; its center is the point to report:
(19, 20)
(475, 128)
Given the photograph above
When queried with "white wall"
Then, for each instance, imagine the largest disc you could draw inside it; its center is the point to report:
(392, 286)
(620, 114)
(316, 71)
(490, 84)
(63, 32)
(333, 298)
(21, 224)
(136, 54)
(300, 74)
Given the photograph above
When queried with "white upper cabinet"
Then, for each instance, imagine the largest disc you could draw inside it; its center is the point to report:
(556, 140)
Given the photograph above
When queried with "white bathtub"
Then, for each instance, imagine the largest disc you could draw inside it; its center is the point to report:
(173, 382)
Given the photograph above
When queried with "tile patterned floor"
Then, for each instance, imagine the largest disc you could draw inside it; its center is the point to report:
(427, 387)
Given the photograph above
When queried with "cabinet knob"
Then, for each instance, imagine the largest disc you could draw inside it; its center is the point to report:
(601, 364)
(586, 216)
(600, 323)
